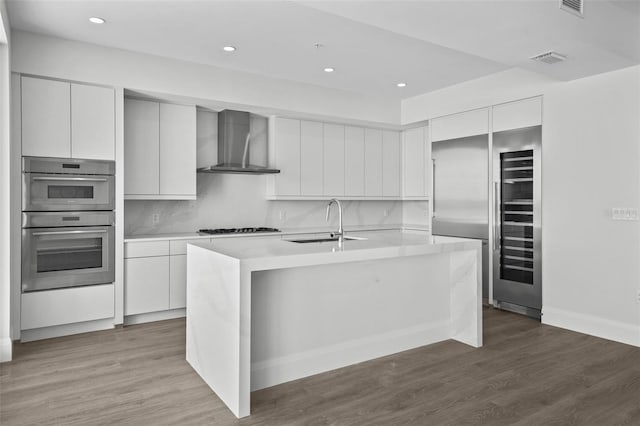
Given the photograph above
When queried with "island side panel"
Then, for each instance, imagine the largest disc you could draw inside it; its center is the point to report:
(466, 295)
(214, 325)
(311, 319)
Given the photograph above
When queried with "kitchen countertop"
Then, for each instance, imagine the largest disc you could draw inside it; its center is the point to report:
(284, 231)
(267, 252)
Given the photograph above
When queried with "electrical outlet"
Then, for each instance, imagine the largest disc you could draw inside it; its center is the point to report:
(638, 297)
(624, 213)
(282, 215)
(155, 218)
(386, 212)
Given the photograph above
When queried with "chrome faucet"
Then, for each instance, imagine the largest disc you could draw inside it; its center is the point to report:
(340, 232)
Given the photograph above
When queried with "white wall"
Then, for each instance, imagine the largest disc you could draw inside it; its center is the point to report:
(54, 57)
(590, 163)
(5, 167)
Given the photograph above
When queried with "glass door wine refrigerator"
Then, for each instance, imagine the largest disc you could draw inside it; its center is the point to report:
(517, 278)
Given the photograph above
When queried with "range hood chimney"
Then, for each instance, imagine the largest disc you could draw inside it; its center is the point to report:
(234, 140)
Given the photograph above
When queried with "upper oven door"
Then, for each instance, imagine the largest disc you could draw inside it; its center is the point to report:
(56, 192)
(67, 257)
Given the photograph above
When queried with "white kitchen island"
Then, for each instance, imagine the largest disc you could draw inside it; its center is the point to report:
(264, 310)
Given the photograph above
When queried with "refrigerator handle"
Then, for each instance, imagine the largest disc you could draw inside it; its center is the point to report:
(433, 188)
(496, 216)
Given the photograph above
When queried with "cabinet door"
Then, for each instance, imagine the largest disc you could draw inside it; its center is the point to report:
(141, 147)
(372, 162)
(390, 163)
(311, 167)
(178, 282)
(427, 164)
(146, 285)
(46, 118)
(517, 115)
(334, 160)
(414, 163)
(177, 150)
(469, 123)
(92, 122)
(286, 144)
(354, 161)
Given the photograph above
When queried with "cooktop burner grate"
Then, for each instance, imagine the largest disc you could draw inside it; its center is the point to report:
(237, 230)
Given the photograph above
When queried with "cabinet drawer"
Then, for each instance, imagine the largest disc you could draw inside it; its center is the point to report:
(180, 246)
(66, 306)
(146, 249)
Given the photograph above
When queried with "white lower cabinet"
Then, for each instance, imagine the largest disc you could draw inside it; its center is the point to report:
(146, 285)
(155, 276)
(66, 306)
(178, 281)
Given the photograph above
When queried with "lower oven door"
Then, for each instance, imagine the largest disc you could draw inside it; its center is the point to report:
(67, 257)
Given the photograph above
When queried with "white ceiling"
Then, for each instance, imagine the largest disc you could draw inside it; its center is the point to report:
(372, 45)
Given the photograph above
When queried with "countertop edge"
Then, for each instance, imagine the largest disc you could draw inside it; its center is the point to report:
(285, 231)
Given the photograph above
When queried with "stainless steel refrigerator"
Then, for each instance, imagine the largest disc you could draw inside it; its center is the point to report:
(517, 263)
(461, 197)
(461, 192)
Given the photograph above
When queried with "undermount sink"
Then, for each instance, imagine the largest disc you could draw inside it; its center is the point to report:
(324, 240)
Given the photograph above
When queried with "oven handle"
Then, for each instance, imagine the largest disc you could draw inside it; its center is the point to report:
(99, 231)
(70, 178)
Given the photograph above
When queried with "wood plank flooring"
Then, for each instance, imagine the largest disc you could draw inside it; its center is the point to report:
(526, 374)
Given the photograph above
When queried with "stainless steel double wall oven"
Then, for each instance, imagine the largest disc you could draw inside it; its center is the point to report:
(68, 235)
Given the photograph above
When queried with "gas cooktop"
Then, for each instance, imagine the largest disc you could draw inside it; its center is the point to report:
(237, 230)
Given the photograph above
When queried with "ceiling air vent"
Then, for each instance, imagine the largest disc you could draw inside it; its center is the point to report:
(549, 58)
(575, 7)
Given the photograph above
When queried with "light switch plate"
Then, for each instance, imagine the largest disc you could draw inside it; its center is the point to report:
(624, 213)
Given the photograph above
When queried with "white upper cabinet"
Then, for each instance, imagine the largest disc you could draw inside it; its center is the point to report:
(391, 164)
(517, 115)
(460, 125)
(372, 162)
(177, 150)
(353, 161)
(417, 159)
(92, 122)
(325, 160)
(311, 158)
(46, 118)
(159, 151)
(334, 160)
(284, 146)
(141, 147)
(67, 120)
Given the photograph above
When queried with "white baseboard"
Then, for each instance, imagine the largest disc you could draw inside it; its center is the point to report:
(291, 367)
(592, 325)
(155, 316)
(5, 349)
(65, 330)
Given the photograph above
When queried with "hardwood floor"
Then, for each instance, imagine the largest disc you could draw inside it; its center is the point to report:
(526, 374)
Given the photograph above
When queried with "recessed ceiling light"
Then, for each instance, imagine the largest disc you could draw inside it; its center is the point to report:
(97, 20)
(229, 49)
(401, 84)
(329, 69)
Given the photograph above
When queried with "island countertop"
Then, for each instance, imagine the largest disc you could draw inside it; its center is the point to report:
(260, 251)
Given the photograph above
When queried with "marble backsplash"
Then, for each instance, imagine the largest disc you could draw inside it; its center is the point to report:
(226, 200)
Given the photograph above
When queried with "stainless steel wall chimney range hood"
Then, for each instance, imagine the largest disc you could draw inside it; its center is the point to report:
(234, 139)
